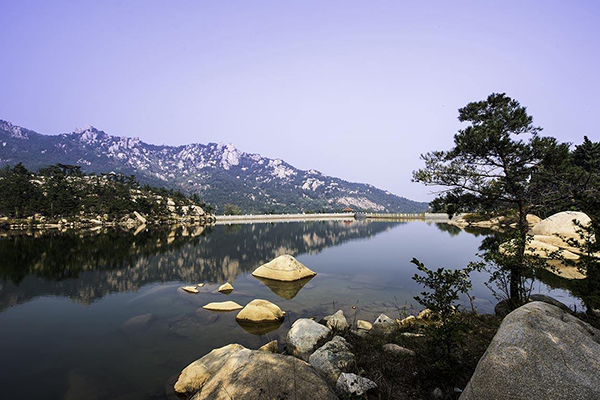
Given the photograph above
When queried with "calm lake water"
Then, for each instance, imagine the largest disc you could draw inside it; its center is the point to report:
(66, 298)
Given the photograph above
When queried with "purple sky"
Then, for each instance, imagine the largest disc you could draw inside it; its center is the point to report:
(355, 89)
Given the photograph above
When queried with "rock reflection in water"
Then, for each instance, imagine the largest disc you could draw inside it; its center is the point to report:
(285, 290)
(260, 328)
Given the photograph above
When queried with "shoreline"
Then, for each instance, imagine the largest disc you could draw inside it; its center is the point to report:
(257, 218)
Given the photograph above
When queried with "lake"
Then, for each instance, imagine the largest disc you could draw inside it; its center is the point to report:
(67, 299)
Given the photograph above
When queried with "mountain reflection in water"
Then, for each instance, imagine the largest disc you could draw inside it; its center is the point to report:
(100, 315)
(85, 266)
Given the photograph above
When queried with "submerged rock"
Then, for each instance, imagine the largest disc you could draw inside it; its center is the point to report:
(333, 358)
(223, 306)
(234, 372)
(349, 383)
(138, 323)
(283, 268)
(336, 321)
(539, 351)
(305, 337)
(259, 311)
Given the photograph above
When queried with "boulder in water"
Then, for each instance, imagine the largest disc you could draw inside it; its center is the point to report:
(223, 306)
(226, 288)
(260, 311)
(283, 268)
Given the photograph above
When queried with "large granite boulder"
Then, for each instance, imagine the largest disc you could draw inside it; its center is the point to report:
(561, 224)
(333, 358)
(305, 336)
(194, 376)
(234, 372)
(539, 352)
(283, 268)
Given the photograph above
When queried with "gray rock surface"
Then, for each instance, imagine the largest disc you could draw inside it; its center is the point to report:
(336, 321)
(333, 358)
(398, 350)
(272, 347)
(305, 337)
(349, 383)
(384, 325)
(539, 352)
(240, 373)
(503, 307)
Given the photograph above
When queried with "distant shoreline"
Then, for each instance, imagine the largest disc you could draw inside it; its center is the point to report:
(250, 218)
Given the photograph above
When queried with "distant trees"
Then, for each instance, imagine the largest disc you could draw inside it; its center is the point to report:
(20, 197)
(63, 190)
(231, 209)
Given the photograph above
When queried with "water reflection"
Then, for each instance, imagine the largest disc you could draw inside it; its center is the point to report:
(285, 290)
(85, 265)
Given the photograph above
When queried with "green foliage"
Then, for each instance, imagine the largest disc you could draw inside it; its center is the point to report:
(231, 209)
(491, 167)
(445, 287)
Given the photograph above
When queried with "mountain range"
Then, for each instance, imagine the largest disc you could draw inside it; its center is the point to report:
(218, 173)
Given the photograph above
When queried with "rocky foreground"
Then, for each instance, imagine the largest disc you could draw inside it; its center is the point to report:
(539, 351)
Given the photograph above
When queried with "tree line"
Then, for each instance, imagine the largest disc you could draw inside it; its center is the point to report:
(62, 191)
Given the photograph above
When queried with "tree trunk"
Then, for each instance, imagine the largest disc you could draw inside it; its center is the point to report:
(516, 271)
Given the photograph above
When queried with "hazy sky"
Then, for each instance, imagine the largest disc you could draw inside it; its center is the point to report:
(355, 89)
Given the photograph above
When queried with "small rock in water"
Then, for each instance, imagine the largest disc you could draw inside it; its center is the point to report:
(271, 347)
(190, 289)
(349, 383)
(398, 350)
(223, 306)
(226, 288)
(365, 325)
